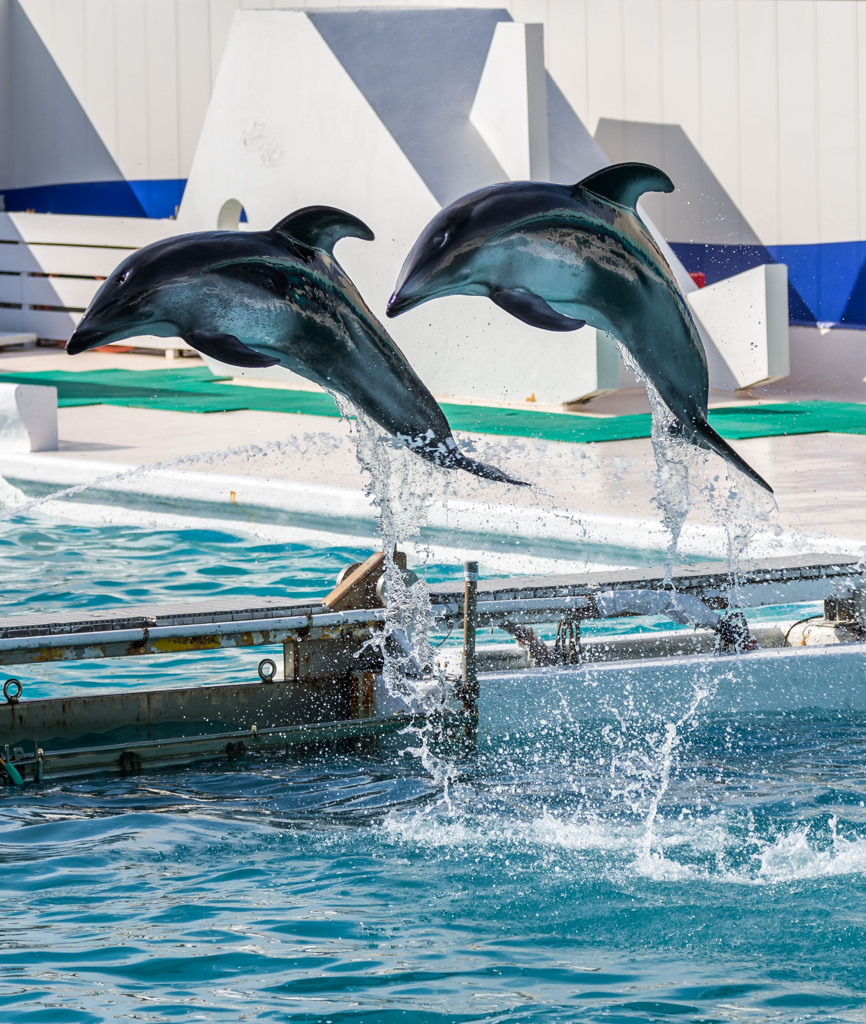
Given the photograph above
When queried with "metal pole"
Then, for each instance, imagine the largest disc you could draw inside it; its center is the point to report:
(470, 619)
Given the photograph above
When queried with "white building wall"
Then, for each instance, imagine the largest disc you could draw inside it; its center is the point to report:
(766, 97)
(5, 86)
(766, 91)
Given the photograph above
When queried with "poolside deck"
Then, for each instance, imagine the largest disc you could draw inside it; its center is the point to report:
(818, 478)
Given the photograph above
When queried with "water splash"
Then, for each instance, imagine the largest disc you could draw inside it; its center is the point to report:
(674, 458)
(740, 505)
(10, 497)
(665, 763)
(211, 458)
(403, 489)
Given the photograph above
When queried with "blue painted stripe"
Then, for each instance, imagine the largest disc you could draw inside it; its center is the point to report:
(159, 198)
(826, 282)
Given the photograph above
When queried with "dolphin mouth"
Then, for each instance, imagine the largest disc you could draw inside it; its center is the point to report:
(398, 304)
(85, 339)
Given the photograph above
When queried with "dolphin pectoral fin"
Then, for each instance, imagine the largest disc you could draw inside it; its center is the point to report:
(699, 432)
(227, 348)
(533, 310)
(625, 183)
(321, 227)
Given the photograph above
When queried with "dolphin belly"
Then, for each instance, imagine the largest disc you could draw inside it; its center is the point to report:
(278, 296)
(376, 377)
(348, 352)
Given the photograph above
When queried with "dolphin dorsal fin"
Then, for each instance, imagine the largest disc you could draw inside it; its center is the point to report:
(321, 227)
(625, 183)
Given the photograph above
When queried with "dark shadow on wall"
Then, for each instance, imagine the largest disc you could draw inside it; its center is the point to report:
(700, 208)
(5, 90)
(854, 313)
(574, 153)
(420, 70)
(55, 160)
(702, 223)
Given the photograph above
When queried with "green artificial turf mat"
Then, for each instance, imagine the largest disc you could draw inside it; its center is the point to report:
(195, 389)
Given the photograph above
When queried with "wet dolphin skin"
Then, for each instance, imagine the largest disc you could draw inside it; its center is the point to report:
(263, 298)
(558, 257)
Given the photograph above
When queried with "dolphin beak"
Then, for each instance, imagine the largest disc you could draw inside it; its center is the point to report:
(398, 304)
(83, 339)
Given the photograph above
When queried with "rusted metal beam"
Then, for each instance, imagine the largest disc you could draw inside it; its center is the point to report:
(118, 643)
(470, 672)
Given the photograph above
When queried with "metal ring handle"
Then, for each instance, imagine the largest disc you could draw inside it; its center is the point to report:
(12, 698)
(267, 670)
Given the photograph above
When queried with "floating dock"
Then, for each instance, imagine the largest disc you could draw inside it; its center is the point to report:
(328, 687)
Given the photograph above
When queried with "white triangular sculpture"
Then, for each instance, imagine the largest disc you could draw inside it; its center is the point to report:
(510, 107)
(287, 127)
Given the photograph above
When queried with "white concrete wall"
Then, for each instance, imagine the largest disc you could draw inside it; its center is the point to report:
(5, 85)
(765, 99)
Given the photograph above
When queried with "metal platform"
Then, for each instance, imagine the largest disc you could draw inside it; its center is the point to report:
(774, 581)
(330, 686)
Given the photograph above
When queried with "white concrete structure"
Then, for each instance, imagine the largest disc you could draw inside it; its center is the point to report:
(755, 107)
(510, 105)
(51, 266)
(336, 149)
(28, 418)
(8, 339)
(747, 317)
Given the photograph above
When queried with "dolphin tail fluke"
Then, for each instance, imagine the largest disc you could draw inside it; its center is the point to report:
(699, 432)
(454, 459)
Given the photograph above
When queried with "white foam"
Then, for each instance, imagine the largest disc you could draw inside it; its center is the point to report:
(697, 850)
(793, 856)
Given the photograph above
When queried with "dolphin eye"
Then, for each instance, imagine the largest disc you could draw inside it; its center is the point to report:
(439, 239)
(123, 277)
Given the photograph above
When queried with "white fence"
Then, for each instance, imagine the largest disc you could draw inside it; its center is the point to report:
(52, 265)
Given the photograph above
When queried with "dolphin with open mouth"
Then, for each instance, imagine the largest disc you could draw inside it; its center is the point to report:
(278, 297)
(559, 257)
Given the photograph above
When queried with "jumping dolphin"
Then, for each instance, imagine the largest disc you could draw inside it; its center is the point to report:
(262, 298)
(559, 257)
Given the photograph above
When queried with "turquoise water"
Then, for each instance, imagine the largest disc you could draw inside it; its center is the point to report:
(538, 886)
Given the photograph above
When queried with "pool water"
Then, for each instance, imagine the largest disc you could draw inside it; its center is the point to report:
(595, 870)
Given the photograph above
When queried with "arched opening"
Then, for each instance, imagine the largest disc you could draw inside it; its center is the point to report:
(231, 215)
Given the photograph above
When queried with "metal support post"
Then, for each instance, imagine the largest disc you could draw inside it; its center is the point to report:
(470, 621)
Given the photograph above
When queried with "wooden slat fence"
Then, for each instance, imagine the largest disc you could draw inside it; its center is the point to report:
(51, 266)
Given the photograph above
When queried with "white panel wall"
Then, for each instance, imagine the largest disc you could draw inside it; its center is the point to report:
(163, 86)
(759, 155)
(95, 90)
(861, 107)
(798, 125)
(5, 87)
(771, 93)
(839, 173)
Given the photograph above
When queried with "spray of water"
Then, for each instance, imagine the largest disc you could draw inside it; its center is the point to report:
(674, 458)
(403, 488)
(19, 506)
(10, 497)
(736, 503)
(665, 763)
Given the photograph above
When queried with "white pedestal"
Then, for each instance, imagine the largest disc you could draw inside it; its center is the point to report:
(28, 418)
